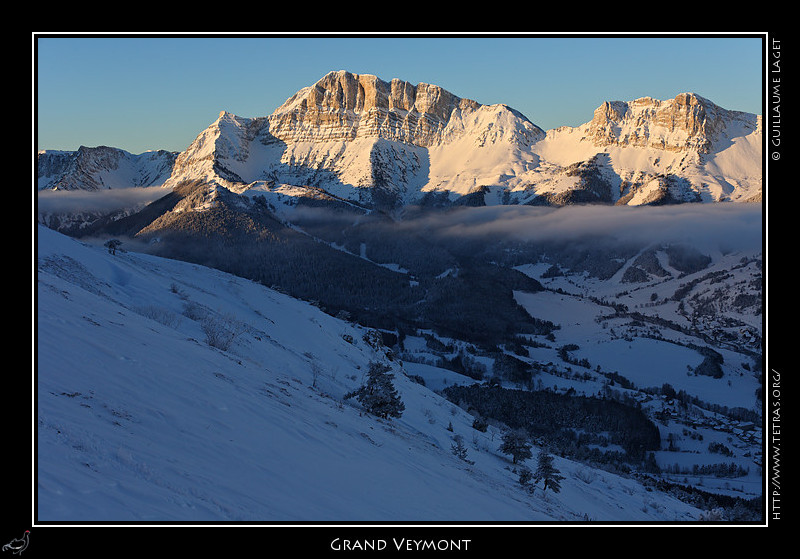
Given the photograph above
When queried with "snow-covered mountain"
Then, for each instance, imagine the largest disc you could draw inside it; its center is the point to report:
(685, 149)
(102, 168)
(384, 144)
(388, 144)
(359, 138)
(167, 391)
(77, 189)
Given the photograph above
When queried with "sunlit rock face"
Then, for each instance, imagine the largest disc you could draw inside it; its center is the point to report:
(687, 122)
(368, 140)
(346, 106)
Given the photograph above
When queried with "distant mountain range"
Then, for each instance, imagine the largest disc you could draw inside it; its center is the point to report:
(102, 167)
(356, 139)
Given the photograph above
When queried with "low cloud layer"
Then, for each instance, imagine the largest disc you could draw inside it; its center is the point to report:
(726, 226)
(720, 226)
(68, 201)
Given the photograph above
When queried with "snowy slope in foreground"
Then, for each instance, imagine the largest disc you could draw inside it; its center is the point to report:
(139, 419)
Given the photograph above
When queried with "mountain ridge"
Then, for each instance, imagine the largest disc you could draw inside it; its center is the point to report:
(389, 144)
(102, 167)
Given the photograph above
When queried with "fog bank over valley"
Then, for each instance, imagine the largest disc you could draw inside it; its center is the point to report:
(91, 201)
(723, 227)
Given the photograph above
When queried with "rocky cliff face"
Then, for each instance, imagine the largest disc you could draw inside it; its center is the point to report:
(686, 123)
(345, 106)
(360, 138)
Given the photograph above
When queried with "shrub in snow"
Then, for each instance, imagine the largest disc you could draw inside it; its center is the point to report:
(525, 478)
(164, 316)
(459, 449)
(220, 331)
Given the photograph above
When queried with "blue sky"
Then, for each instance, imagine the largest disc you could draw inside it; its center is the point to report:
(159, 92)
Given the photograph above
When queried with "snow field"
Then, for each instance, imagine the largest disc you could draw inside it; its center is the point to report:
(139, 419)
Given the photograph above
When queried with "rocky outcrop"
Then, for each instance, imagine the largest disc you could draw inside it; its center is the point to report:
(346, 106)
(687, 122)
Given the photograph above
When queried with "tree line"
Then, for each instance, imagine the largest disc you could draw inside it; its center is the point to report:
(581, 427)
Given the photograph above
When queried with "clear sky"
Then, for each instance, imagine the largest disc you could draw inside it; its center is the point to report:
(160, 92)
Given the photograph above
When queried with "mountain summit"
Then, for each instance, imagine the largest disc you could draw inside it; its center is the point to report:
(363, 139)
(386, 145)
(345, 106)
(647, 152)
(686, 123)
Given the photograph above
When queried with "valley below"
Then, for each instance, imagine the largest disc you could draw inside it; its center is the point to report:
(628, 355)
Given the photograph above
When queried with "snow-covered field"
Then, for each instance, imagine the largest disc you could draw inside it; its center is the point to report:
(140, 419)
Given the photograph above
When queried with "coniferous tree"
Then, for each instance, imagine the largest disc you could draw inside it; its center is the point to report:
(515, 443)
(459, 449)
(525, 477)
(545, 471)
(378, 395)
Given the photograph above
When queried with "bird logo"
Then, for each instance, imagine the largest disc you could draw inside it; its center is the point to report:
(17, 546)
